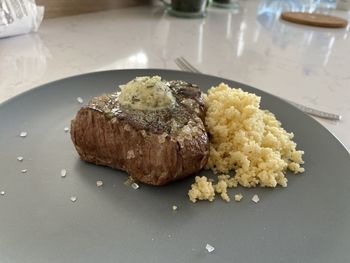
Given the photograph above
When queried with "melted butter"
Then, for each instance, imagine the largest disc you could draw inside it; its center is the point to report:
(146, 93)
(157, 121)
(169, 120)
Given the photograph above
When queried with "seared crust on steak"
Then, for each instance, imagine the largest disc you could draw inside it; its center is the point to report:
(154, 147)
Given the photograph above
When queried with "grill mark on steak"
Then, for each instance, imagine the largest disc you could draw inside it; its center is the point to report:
(166, 144)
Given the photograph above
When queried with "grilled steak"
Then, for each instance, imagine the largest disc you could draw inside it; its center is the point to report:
(154, 147)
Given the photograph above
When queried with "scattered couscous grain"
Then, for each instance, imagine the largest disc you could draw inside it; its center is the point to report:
(221, 188)
(202, 189)
(238, 197)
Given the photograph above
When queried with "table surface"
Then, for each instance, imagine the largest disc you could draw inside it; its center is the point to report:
(308, 65)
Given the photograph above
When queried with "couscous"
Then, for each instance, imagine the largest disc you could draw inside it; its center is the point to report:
(247, 140)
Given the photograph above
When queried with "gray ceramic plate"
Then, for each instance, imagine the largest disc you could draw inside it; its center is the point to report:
(306, 222)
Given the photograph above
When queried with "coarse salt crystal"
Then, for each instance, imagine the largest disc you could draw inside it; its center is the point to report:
(2, 193)
(209, 248)
(23, 134)
(24, 171)
(73, 198)
(135, 186)
(255, 199)
(174, 207)
(66, 129)
(80, 100)
(20, 158)
(129, 181)
(63, 173)
(99, 183)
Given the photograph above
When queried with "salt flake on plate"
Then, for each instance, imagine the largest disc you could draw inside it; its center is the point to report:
(20, 158)
(73, 198)
(2, 193)
(135, 186)
(23, 134)
(80, 100)
(24, 171)
(209, 248)
(66, 129)
(99, 183)
(63, 173)
(255, 198)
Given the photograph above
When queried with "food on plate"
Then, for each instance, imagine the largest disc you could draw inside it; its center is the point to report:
(209, 248)
(255, 199)
(238, 197)
(204, 189)
(157, 131)
(247, 140)
(152, 129)
(201, 189)
(224, 182)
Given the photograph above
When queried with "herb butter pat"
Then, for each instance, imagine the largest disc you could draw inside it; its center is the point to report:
(146, 93)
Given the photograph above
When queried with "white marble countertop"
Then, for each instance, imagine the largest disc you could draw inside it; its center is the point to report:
(251, 45)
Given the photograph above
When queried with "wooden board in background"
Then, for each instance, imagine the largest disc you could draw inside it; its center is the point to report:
(314, 19)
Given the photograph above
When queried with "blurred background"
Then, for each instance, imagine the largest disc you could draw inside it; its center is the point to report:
(56, 8)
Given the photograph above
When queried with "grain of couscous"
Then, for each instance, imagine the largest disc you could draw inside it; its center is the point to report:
(238, 197)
